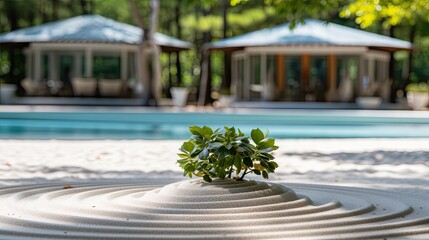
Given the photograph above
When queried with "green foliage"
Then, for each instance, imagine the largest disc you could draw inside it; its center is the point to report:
(226, 153)
(296, 11)
(418, 87)
(389, 12)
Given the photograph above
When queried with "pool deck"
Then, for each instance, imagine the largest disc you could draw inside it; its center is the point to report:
(233, 110)
(165, 102)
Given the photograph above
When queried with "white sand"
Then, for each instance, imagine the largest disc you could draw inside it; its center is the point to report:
(118, 211)
(400, 164)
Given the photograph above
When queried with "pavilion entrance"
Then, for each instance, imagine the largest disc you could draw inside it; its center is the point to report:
(321, 74)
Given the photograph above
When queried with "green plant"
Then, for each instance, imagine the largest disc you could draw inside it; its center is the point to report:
(224, 152)
(418, 87)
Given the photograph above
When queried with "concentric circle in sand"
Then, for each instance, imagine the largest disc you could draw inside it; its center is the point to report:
(219, 210)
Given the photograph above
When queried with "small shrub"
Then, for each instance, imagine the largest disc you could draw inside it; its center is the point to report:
(418, 87)
(226, 153)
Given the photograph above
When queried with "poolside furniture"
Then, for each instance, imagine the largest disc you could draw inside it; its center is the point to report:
(33, 88)
(110, 87)
(84, 86)
(369, 102)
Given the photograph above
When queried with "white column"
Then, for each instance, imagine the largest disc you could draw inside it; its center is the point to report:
(38, 65)
(124, 65)
(88, 63)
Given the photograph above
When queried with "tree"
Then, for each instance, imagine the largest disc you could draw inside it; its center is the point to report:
(392, 13)
(149, 54)
(226, 82)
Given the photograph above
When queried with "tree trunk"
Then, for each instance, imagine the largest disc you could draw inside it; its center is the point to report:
(149, 52)
(156, 53)
(226, 82)
(206, 73)
(179, 36)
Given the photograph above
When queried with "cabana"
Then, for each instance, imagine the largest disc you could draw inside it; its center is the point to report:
(93, 53)
(316, 61)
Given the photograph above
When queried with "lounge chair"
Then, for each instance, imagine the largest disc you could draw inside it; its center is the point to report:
(33, 88)
(84, 86)
(110, 87)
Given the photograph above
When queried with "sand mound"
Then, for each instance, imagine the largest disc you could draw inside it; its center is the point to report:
(220, 210)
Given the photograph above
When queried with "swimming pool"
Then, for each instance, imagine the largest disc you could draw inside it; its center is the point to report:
(174, 125)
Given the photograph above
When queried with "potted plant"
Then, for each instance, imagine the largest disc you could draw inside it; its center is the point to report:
(7, 92)
(417, 95)
(226, 153)
(179, 95)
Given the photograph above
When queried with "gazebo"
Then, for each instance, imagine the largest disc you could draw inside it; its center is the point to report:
(316, 61)
(89, 52)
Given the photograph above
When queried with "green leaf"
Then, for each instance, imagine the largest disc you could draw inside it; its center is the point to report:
(266, 143)
(222, 152)
(270, 149)
(182, 160)
(204, 154)
(248, 161)
(266, 156)
(189, 167)
(196, 152)
(214, 145)
(222, 173)
(237, 163)
(207, 131)
(265, 174)
(271, 166)
(188, 146)
(257, 172)
(276, 165)
(207, 178)
(257, 135)
(196, 131)
(183, 155)
(222, 162)
(229, 161)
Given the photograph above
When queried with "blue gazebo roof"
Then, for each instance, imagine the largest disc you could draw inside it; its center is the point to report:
(312, 32)
(87, 29)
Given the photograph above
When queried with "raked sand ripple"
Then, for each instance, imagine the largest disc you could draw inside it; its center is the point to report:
(197, 210)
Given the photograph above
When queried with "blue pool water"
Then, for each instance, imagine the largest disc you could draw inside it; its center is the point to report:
(171, 125)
